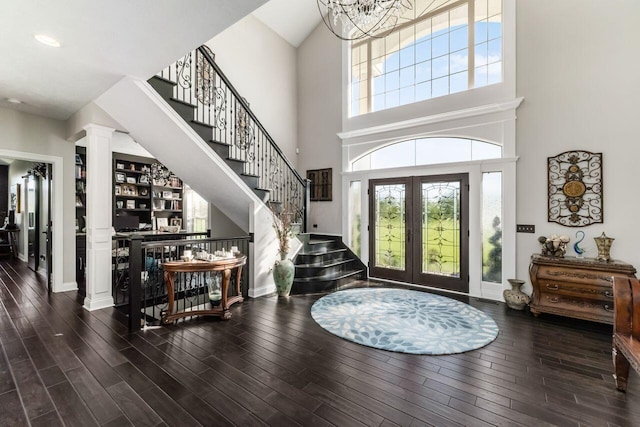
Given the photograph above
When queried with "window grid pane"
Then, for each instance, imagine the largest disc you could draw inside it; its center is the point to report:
(430, 55)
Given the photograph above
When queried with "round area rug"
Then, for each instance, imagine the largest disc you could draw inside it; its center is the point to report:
(404, 321)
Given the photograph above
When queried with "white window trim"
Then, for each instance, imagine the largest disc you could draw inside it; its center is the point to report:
(475, 97)
(492, 123)
(487, 113)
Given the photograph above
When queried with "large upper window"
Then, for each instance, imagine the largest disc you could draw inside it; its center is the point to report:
(427, 151)
(439, 47)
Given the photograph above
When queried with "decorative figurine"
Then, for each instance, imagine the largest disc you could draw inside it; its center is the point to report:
(579, 251)
(554, 246)
(604, 247)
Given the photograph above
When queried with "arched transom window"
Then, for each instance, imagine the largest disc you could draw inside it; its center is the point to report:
(427, 151)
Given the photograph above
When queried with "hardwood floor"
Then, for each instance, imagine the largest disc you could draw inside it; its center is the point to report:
(272, 365)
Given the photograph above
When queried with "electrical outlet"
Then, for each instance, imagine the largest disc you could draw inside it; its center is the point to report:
(315, 225)
(524, 228)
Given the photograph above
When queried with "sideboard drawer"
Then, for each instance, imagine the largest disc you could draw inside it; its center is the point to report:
(578, 290)
(568, 274)
(586, 307)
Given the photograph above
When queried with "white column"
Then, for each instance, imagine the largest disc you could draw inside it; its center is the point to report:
(99, 190)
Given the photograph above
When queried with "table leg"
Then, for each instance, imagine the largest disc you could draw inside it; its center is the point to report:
(168, 280)
(224, 302)
(238, 277)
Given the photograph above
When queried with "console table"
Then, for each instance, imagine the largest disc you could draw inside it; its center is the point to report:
(575, 287)
(225, 266)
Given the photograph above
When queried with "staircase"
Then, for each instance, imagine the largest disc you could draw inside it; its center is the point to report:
(325, 264)
(187, 111)
(203, 96)
(194, 121)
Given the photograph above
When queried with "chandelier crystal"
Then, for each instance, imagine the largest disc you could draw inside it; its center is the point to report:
(358, 19)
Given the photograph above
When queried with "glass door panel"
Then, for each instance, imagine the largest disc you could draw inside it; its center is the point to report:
(390, 221)
(441, 228)
(443, 224)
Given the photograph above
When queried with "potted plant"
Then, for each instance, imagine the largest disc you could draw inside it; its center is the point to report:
(284, 269)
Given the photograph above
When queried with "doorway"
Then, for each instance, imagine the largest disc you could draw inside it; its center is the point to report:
(419, 230)
(38, 221)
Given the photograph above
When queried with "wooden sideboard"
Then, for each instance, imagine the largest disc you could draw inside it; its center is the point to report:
(575, 287)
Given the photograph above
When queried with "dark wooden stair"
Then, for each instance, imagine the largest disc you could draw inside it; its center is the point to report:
(186, 110)
(325, 264)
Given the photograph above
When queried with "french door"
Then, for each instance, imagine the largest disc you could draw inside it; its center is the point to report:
(419, 230)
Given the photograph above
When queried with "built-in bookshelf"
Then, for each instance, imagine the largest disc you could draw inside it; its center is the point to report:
(145, 189)
(81, 216)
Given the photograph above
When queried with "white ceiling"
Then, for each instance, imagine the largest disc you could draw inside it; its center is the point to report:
(293, 20)
(102, 41)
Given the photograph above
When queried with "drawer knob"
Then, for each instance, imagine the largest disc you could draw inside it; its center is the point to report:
(608, 294)
(554, 299)
(607, 308)
(553, 287)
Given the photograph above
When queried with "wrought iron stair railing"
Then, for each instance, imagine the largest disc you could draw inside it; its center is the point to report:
(216, 104)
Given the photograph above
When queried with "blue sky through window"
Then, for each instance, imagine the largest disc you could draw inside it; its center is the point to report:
(429, 59)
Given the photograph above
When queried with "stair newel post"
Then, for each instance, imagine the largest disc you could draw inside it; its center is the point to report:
(307, 203)
(135, 283)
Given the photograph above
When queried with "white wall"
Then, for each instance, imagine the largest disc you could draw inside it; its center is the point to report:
(578, 71)
(261, 65)
(320, 119)
(26, 133)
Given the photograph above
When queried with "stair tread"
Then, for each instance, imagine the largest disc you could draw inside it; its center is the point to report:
(330, 263)
(231, 159)
(180, 101)
(319, 242)
(163, 79)
(198, 122)
(328, 277)
(213, 141)
(322, 252)
(252, 175)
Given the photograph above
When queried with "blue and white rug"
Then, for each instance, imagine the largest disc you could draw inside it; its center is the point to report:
(404, 321)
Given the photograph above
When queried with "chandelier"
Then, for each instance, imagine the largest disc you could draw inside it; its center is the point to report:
(358, 19)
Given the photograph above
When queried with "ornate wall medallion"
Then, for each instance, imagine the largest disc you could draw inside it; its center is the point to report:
(575, 188)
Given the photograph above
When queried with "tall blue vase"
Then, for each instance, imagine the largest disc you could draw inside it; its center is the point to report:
(283, 273)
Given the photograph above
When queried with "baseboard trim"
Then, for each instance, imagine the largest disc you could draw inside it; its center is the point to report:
(66, 287)
(261, 291)
(97, 304)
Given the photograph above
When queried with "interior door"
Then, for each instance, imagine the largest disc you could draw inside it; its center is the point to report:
(48, 231)
(419, 230)
(33, 220)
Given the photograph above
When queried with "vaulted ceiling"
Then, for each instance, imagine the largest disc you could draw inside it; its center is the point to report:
(101, 41)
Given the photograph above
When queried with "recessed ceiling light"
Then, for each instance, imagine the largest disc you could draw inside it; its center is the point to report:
(13, 100)
(47, 40)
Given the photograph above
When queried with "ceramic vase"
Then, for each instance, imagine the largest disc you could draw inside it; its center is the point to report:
(283, 273)
(604, 247)
(515, 298)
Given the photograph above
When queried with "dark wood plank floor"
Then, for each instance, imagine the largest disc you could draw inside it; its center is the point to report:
(272, 365)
